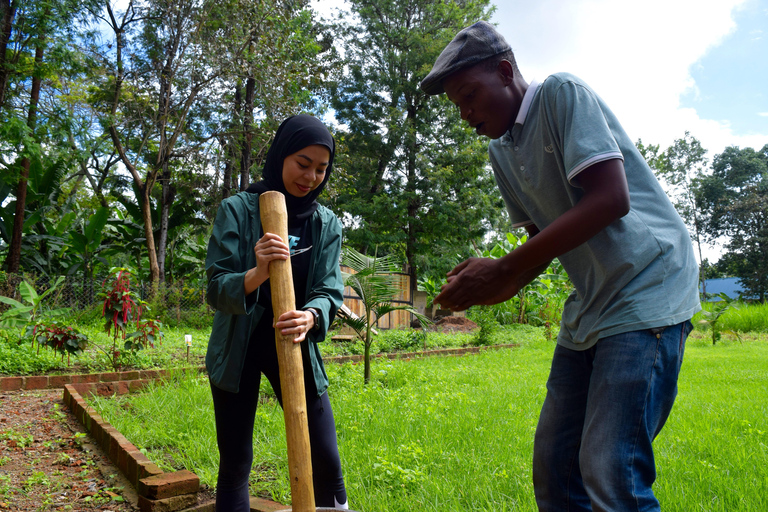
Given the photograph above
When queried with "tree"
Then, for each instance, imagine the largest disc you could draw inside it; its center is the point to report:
(416, 183)
(682, 167)
(373, 282)
(735, 197)
(36, 56)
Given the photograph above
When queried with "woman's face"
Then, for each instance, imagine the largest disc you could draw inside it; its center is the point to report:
(304, 170)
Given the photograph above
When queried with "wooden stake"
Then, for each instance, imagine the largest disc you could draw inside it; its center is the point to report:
(274, 219)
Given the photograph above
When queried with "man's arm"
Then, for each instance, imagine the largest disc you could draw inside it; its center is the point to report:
(487, 281)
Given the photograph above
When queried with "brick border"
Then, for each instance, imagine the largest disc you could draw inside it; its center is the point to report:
(159, 491)
(134, 377)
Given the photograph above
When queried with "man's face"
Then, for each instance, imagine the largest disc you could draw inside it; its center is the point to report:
(485, 99)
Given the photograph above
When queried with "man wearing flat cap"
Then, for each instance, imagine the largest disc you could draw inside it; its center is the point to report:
(571, 176)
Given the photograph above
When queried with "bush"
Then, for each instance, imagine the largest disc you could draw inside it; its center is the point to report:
(485, 318)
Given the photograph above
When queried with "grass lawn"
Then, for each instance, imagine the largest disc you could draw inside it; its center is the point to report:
(456, 433)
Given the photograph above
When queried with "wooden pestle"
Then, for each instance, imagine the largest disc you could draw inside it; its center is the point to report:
(274, 219)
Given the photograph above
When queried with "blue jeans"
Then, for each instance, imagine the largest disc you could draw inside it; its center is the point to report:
(603, 409)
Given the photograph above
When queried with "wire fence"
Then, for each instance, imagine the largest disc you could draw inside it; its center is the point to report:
(180, 302)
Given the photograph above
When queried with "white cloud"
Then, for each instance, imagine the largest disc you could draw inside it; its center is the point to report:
(636, 55)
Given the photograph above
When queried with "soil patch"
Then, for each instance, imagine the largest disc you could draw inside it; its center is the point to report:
(455, 324)
(47, 461)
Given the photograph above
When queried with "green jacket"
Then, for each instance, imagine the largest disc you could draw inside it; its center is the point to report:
(230, 256)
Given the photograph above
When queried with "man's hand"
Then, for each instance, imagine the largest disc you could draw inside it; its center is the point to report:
(477, 281)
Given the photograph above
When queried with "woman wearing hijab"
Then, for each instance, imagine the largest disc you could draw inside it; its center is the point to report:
(242, 342)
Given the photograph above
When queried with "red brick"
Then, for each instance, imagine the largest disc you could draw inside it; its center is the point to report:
(36, 382)
(170, 504)
(149, 374)
(262, 505)
(147, 469)
(121, 388)
(169, 484)
(123, 455)
(129, 375)
(132, 471)
(108, 442)
(109, 377)
(104, 388)
(97, 428)
(85, 378)
(58, 381)
(11, 383)
(138, 385)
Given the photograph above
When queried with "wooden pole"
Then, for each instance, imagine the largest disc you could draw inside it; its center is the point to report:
(274, 219)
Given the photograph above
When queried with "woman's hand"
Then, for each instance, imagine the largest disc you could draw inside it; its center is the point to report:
(296, 322)
(270, 247)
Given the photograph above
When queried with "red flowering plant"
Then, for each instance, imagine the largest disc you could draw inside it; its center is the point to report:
(63, 339)
(122, 307)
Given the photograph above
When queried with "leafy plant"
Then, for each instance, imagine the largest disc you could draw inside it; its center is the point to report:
(483, 316)
(32, 308)
(122, 308)
(62, 339)
(541, 300)
(432, 288)
(374, 282)
(711, 318)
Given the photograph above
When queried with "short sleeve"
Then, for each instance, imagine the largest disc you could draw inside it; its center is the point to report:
(578, 121)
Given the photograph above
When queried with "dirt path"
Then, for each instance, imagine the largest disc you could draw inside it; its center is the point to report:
(47, 462)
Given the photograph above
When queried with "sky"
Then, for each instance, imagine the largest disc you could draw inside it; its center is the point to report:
(663, 66)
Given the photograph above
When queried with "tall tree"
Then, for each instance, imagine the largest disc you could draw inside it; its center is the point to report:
(736, 198)
(169, 72)
(33, 41)
(416, 182)
(682, 167)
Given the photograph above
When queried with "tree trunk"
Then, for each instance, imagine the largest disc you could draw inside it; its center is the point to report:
(146, 213)
(247, 137)
(9, 12)
(13, 260)
(168, 196)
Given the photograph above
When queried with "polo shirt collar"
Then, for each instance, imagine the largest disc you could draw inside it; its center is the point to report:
(527, 100)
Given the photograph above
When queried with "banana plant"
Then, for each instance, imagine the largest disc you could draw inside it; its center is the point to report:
(31, 309)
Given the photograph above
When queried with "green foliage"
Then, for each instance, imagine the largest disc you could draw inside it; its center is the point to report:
(431, 286)
(541, 301)
(32, 308)
(374, 283)
(413, 176)
(121, 308)
(485, 318)
(62, 339)
(735, 197)
(20, 358)
(710, 316)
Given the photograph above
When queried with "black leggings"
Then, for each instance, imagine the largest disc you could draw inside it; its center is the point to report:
(235, 413)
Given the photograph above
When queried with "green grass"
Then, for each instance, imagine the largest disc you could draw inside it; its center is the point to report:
(456, 433)
(741, 317)
(23, 358)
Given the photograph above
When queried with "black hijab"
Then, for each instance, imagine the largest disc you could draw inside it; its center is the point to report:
(295, 133)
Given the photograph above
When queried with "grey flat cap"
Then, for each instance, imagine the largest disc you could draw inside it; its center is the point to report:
(470, 46)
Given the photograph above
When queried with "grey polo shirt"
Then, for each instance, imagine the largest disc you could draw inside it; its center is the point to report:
(637, 273)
